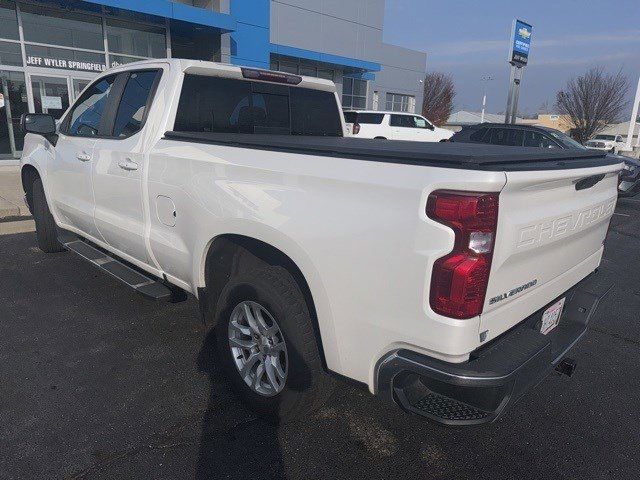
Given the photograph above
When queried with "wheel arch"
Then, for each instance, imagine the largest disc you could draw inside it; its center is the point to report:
(229, 253)
(29, 174)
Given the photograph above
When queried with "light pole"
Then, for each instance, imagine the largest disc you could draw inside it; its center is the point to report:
(485, 79)
(632, 121)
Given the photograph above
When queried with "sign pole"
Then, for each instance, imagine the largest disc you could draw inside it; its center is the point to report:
(512, 77)
(519, 47)
(632, 121)
(516, 93)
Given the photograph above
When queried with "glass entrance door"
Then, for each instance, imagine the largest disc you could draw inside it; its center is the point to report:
(50, 95)
(13, 103)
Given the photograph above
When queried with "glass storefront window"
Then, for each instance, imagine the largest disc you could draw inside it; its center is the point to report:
(139, 40)
(308, 71)
(12, 105)
(354, 93)
(10, 54)
(50, 95)
(66, 29)
(8, 20)
(326, 74)
(39, 56)
(122, 60)
(400, 103)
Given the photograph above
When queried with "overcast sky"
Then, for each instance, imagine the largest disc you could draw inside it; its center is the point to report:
(470, 38)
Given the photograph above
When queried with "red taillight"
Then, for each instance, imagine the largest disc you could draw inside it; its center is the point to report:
(459, 279)
(356, 128)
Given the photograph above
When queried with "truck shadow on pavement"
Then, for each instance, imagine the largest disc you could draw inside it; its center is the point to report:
(233, 443)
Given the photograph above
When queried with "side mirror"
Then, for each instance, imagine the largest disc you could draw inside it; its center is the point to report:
(38, 123)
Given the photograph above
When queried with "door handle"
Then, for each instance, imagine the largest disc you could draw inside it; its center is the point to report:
(83, 157)
(128, 164)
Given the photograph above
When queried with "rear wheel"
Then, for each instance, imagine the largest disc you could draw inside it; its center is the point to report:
(267, 346)
(46, 229)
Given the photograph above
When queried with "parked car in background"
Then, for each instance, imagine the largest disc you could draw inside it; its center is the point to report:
(515, 136)
(393, 126)
(608, 143)
(629, 178)
(543, 137)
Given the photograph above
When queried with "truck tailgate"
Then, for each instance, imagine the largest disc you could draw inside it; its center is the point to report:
(551, 229)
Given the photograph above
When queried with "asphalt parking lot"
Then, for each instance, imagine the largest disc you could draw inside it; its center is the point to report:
(98, 383)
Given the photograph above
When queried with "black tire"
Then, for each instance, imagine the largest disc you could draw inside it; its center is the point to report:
(307, 385)
(46, 229)
(380, 138)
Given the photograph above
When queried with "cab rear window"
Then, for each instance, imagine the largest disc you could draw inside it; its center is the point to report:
(225, 105)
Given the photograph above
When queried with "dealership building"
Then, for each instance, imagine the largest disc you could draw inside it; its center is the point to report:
(51, 49)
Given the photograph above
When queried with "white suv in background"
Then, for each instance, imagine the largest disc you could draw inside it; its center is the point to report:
(609, 143)
(393, 126)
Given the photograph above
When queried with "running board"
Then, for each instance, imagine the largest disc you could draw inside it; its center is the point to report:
(148, 286)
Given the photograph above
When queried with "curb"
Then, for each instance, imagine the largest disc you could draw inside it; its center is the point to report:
(23, 225)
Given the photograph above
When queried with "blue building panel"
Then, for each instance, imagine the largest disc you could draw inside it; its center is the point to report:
(354, 63)
(252, 12)
(250, 40)
(200, 16)
(175, 11)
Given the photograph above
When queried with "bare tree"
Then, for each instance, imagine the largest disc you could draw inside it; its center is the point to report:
(593, 100)
(439, 93)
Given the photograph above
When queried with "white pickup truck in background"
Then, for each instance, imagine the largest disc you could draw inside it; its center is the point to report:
(393, 126)
(607, 143)
(449, 278)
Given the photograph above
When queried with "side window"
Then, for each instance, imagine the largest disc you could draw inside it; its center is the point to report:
(371, 118)
(350, 117)
(420, 122)
(396, 121)
(506, 136)
(405, 121)
(497, 137)
(133, 103)
(478, 135)
(536, 139)
(85, 116)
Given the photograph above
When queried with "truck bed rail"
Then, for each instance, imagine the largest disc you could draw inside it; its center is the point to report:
(442, 154)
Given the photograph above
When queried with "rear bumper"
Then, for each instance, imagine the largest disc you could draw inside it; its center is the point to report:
(497, 374)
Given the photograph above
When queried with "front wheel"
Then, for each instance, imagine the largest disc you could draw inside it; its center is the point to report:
(46, 229)
(266, 342)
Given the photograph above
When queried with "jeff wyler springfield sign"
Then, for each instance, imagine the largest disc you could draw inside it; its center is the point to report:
(65, 63)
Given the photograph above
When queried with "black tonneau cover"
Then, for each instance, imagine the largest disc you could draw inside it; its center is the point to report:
(443, 154)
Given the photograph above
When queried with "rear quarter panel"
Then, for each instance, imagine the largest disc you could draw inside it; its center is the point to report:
(356, 229)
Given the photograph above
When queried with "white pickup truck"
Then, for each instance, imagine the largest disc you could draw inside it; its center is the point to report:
(608, 143)
(448, 278)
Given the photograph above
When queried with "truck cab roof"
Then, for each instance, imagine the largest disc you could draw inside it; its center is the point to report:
(226, 70)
